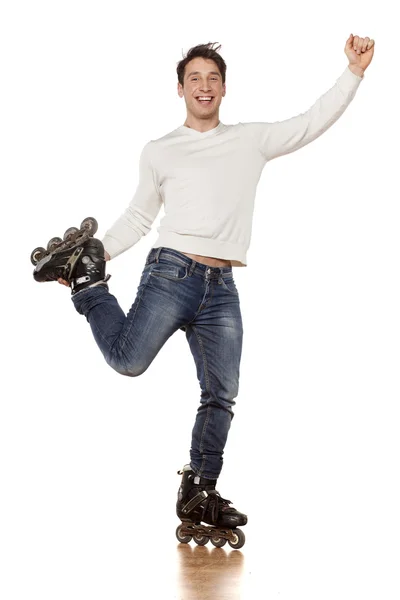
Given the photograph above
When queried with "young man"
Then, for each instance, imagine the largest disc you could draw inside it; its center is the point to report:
(206, 174)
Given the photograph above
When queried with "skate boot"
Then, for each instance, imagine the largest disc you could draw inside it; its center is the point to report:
(198, 501)
(78, 259)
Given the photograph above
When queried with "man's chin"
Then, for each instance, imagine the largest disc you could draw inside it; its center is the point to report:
(205, 114)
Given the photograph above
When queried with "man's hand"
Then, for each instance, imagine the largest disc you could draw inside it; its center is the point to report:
(63, 282)
(359, 51)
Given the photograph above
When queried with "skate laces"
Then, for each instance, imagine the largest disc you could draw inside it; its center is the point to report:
(217, 503)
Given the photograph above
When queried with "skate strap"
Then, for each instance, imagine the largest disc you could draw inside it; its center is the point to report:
(210, 496)
(195, 501)
(69, 267)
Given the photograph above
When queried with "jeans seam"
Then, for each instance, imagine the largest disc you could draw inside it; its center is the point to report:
(104, 340)
(134, 314)
(208, 390)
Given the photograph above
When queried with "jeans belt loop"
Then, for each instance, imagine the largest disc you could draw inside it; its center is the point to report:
(158, 253)
(192, 266)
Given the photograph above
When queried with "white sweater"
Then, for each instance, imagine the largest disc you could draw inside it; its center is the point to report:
(207, 181)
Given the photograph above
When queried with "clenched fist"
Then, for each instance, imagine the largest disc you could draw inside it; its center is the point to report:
(359, 51)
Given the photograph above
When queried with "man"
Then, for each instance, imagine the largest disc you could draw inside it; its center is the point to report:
(206, 174)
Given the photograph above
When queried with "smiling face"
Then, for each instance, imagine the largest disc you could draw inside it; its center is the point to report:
(202, 79)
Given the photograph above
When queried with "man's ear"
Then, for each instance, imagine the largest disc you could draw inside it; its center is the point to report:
(224, 89)
(180, 90)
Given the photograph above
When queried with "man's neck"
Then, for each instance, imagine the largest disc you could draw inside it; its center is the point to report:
(202, 126)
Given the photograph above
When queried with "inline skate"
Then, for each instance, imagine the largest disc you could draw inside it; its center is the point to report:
(198, 501)
(77, 258)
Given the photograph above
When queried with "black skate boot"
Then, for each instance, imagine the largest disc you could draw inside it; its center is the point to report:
(90, 267)
(78, 259)
(198, 501)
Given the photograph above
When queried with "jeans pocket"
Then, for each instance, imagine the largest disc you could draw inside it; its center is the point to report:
(229, 284)
(168, 271)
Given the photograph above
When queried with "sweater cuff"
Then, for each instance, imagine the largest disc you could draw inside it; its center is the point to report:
(112, 246)
(353, 75)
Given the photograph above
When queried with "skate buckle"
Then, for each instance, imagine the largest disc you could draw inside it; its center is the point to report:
(80, 280)
(195, 501)
(69, 267)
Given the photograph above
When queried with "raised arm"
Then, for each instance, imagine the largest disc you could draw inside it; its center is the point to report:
(283, 137)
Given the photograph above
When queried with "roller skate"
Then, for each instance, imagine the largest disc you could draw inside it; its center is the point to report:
(78, 258)
(198, 501)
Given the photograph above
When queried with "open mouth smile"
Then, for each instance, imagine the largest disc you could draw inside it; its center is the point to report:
(205, 99)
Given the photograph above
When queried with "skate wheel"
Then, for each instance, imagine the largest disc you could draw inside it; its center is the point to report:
(37, 255)
(70, 231)
(239, 539)
(90, 224)
(201, 540)
(53, 242)
(218, 542)
(183, 539)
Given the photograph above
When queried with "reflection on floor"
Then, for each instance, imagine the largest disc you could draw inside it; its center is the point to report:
(209, 573)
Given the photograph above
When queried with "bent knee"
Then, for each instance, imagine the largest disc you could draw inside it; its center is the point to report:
(129, 371)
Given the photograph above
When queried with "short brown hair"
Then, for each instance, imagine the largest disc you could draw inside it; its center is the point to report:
(203, 51)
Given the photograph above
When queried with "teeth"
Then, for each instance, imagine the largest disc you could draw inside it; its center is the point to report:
(204, 98)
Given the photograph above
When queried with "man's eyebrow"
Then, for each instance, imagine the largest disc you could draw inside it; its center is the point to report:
(198, 73)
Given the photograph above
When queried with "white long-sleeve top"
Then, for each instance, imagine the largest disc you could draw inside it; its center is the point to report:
(207, 181)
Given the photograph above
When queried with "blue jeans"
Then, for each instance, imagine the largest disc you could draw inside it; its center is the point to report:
(176, 292)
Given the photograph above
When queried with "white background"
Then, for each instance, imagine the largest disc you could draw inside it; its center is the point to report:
(88, 457)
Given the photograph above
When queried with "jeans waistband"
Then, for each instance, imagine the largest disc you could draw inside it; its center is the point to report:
(174, 255)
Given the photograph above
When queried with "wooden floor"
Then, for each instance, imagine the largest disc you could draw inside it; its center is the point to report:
(189, 572)
(209, 573)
